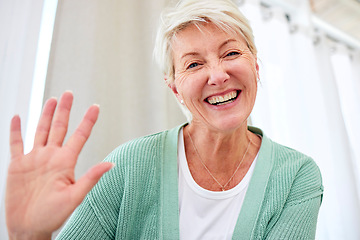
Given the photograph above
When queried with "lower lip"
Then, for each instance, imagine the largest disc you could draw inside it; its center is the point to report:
(226, 106)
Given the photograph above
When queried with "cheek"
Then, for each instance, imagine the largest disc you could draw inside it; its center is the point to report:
(190, 83)
(249, 59)
(181, 83)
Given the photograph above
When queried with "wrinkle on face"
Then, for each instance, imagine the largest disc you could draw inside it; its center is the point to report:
(209, 56)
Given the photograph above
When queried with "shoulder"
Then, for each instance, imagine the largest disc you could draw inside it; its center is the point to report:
(299, 170)
(136, 162)
(137, 148)
(133, 159)
(292, 160)
(150, 146)
(292, 174)
(284, 156)
(281, 157)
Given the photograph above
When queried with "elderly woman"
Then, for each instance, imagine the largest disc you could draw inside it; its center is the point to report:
(212, 178)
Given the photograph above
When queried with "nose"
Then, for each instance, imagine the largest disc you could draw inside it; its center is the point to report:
(217, 75)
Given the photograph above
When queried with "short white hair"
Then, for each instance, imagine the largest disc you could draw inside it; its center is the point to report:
(223, 13)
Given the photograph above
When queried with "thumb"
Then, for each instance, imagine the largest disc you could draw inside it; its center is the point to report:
(88, 181)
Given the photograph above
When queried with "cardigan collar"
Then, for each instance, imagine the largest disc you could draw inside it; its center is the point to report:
(169, 222)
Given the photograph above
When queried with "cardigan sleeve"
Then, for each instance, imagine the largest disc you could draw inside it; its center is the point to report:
(297, 221)
(124, 204)
(298, 217)
(97, 216)
(83, 224)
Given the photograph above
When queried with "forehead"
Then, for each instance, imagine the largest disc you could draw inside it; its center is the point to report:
(204, 35)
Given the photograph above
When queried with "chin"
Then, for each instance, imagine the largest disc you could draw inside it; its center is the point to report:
(230, 125)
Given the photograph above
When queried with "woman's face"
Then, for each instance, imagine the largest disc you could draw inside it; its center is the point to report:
(215, 76)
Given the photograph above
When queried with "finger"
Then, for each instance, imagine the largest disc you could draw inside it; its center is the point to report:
(88, 181)
(78, 139)
(16, 141)
(60, 121)
(43, 128)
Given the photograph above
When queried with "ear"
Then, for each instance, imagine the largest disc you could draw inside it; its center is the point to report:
(257, 69)
(173, 88)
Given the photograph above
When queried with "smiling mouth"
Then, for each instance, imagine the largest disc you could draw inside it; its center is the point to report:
(225, 99)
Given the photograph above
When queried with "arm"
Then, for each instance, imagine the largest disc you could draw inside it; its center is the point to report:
(298, 217)
(84, 224)
(41, 189)
(297, 221)
(98, 215)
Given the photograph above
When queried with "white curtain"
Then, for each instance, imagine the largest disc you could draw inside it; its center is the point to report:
(19, 27)
(308, 99)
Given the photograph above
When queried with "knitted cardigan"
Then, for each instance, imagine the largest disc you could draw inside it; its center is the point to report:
(138, 199)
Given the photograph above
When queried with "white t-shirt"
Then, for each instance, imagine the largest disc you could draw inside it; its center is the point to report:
(207, 214)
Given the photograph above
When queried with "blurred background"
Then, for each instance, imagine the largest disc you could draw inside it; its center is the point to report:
(308, 97)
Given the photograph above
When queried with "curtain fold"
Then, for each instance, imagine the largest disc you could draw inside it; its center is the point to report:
(347, 84)
(308, 99)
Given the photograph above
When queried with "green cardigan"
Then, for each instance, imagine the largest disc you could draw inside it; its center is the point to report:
(138, 199)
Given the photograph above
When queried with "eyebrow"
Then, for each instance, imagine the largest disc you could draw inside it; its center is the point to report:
(227, 42)
(196, 53)
(189, 54)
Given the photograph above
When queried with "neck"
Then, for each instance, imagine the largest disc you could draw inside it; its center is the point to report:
(215, 147)
(218, 161)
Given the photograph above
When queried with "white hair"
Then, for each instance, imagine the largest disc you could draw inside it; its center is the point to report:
(223, 13)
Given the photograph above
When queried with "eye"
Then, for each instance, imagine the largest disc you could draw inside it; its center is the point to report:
(232, 54)
(192, 65)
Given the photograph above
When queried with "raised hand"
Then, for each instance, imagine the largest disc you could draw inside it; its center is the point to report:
(41, 189)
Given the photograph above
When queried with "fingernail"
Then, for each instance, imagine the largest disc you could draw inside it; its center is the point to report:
(98, 105)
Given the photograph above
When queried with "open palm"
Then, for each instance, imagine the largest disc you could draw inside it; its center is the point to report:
(41, 188)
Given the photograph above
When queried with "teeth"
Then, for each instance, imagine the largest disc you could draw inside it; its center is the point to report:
(219, 100)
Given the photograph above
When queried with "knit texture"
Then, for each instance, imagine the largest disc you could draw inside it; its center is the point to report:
(138, 199)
